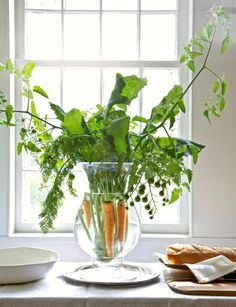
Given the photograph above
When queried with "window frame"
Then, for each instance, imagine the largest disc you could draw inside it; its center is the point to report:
(184, 32)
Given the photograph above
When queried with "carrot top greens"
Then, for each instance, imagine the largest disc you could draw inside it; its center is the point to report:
(109, 134)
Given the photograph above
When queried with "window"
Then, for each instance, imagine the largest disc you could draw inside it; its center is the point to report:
(79, 46)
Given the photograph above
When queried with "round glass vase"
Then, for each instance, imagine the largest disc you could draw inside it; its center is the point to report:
(106, 227)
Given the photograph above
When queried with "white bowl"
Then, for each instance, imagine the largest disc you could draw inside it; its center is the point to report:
(25, 264)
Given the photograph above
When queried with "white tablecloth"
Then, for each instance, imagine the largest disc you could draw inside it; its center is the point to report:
(55, 291)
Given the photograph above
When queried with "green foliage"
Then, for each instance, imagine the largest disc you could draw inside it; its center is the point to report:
(73, 122)
(28, 69)
(59, 112)
(40, 91)
(158, 174)
(126, 89)
(9, 114)
(117, 133)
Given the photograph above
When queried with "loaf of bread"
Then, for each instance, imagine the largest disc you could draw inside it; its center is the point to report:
(192, 253)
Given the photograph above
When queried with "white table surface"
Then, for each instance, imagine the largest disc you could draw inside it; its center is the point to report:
(55, 291)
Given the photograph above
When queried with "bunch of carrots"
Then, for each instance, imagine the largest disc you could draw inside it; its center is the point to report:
(111, 220)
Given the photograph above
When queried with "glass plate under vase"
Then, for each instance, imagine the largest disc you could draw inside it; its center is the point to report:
(106, 227)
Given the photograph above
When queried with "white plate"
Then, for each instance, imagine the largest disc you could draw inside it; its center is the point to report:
(25, 264)
(128, 274)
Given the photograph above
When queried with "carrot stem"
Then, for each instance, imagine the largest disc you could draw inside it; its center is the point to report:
(98, 212)
(109, 220)
(122, 219)
(80, 213)
(87, 212)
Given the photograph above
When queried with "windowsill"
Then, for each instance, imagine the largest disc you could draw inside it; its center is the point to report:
(66, 246)
(70, 235)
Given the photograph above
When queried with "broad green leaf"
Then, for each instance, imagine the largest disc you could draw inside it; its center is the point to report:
(59, 112)
(203, 36)
(172, 121)
(9, 66)
(118, 131)
(223, 87)
(9, 113)
(222, 103)
(191, 65)
(40, 91)
(168, 144)
(181, 105)
(226, 42)
(214, 111)
(33, 108)
(186, 185)
(126, 89)
(198, 44)
(195, 152)
(216, 86)
(140, 119)
(173, 168)
(163, 108)
(19, 148)
(183, 58)
(206, 114)
(175, 195)
(189, 174)
(195, 54)
(73, 122)
(209, 30)
(32, 147)
(28, 69)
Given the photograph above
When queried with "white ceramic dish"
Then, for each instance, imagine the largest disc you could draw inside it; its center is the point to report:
(25, 264)
(127, 275)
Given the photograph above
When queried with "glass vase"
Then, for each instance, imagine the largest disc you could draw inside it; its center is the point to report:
(106, 227)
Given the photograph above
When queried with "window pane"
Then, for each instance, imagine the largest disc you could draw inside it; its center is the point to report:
(169, 214)
(120, 36)
(31, 196)
(158, 37)
(119, 5)
(81, 185)
(81, 4)
(42, 36)
(49, 80)
(158, 5)
(43, 4)
(81, 39)
(160, 81)
(81, 88)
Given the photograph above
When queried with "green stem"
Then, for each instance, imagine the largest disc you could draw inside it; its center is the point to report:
(35, 116)
(93, 218)
(214, 73)
(97, 205)
(83, 224)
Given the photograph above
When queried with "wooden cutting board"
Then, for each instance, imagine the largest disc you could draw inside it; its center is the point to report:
(183, 281)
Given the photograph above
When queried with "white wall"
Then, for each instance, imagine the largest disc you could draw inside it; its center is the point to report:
(214, 184)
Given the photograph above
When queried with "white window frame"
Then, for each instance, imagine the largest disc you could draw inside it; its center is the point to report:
(16, 226)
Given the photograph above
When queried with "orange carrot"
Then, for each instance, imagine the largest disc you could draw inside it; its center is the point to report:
(121, 212)
(87, 212)
(109, 220)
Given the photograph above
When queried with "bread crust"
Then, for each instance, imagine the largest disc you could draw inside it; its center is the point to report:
(192, 253)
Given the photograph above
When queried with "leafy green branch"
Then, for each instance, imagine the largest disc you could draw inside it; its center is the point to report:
(174, 100)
